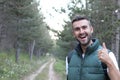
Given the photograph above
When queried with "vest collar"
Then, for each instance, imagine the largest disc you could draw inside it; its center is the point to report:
(91, 48)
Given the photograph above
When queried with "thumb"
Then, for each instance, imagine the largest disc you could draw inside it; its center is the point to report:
(104, 46)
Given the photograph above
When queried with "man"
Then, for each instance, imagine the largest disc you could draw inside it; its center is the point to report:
(87, 59)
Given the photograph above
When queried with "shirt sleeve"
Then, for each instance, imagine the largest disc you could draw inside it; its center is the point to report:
(112, 56)
(66, 66)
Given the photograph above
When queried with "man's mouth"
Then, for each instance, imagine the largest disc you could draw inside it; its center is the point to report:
(82, 36)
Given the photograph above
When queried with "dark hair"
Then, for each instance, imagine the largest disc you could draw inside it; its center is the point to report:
(78, 17)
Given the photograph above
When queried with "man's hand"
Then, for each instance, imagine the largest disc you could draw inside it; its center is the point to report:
(103, 54)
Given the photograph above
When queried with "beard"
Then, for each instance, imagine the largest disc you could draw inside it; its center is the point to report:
(87, 42)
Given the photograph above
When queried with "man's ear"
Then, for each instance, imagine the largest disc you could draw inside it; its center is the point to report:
(92, 29)
(73, 33)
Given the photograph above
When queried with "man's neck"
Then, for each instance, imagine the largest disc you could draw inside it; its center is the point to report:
(84, 47)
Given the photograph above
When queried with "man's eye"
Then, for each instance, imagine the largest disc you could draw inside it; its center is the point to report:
(84, 27)
(76, 29)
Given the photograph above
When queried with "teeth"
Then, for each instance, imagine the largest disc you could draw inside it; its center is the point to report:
(82, 36)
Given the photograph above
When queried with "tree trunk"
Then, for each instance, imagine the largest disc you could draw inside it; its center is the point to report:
(118, 34)
(17, 55)
(17, 52)
(117, 43)
(113, 44)
(32, 49)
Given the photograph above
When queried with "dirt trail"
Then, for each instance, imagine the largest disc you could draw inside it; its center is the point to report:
(51, 72)
(32, 76)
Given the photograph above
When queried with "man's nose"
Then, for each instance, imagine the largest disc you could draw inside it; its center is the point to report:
(81, 31)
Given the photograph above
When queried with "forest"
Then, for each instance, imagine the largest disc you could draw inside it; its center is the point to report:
(105, 18)
(24, 36)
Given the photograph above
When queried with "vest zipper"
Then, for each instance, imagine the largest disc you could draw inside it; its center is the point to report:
(82, 62)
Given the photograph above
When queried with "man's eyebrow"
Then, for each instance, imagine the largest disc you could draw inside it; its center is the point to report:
(84, 26)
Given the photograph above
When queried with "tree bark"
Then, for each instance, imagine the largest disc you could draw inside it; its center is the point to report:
(17, 52)
(32, 49)
(117, 43)
(17, 55)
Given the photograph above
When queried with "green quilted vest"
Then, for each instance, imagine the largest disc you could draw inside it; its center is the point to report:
(87, 68)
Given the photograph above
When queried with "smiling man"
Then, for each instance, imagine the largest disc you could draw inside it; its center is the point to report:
(89, 60)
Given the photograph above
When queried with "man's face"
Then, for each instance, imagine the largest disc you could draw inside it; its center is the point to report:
(82, 31)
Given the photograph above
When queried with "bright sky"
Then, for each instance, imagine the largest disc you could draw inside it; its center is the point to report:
(54, 19)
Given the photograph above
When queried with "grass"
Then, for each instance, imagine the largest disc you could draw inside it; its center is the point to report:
(59, 68)
(9, 70)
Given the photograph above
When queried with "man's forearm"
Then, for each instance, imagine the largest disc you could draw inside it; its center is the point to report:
(113, 72)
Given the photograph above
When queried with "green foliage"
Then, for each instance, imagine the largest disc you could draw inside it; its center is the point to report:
(22, 22)
(66, 41)
(102, 15)
(9, 70)
(59, 68)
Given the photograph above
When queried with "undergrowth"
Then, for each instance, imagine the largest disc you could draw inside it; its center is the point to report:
(59, 68)
(9, 70)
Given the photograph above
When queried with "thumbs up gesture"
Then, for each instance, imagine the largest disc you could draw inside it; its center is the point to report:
(103, 54)
(114, 73)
